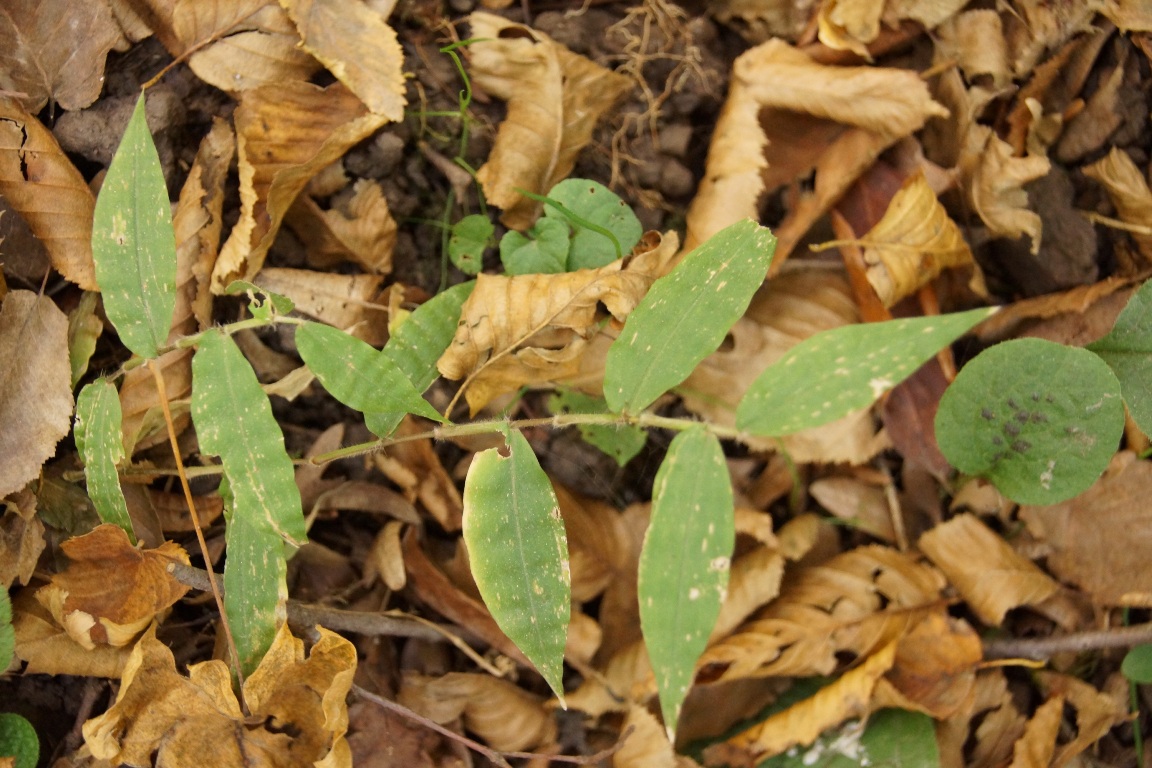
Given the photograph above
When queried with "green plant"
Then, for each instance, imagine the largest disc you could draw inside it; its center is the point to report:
(18, 739)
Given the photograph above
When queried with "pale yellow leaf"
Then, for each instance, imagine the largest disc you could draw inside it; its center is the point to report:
(993, 180)
(1128, 189)
(1034, 749)
(849, 25)
(935, 668)
(975, 40)
(1097, 712)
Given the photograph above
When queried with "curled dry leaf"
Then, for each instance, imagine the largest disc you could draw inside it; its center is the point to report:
(554, 99)
(597, 543)
(530, 329)
(47, 649)
(975, 40)
(41, 184)
(344, 301)
(285, 134)
(935, 668)
(298, 711)
(21, 538)
(1097, 712)
(849, 25)
(360, 230)
(990, 576)
(985, 728)
(110, 590)
(993, 180)
(647, 745)
(504, 715)
(754, 579)
(35, 386)
(1128, 189)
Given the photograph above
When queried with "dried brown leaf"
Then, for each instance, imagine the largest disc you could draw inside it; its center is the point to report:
(348, 302)
(754, 580)
(1034, 749)
(990, 576)
(48, 650)
(1128, 189)
(360, 230)
(414, 466)
(861, 504)
(143, 425)
(935, 668)
(975, 40)
(35, 386)
(1097, 712)
(998, 724)
(554, 99)
(1129, 15)
(41, 184)
(647, 745)
(994, 180)
(21, 538)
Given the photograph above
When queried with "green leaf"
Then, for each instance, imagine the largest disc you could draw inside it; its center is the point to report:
(101, 446)
(234, 420)
(519, 553)
(830, 375)
(545, 252)
(684, 563)
(685, 315)
(598, 205)
(261, 309)
(133, 245)
(1038, 419)
(891, 737)
(18, 739)
(470, 237)
(620, 441)
(7, 633)
(1137, 664)
(84, 328)
(417, 344)
(357, 374)
(1127, 350)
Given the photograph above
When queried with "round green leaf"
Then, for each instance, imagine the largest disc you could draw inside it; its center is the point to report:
(544, 252)
(1038, 419)
(1127, 350)
(601, 206)
(18, 739)
(1137, 664)
(468, 241)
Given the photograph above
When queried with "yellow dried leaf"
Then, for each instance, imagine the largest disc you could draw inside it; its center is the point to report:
(554, 99)
(998, 724)
(414, 466)
(1128, 189)
(754, 579)
(1129, 15)
(862, 505)
(647, 746)
(1097, 712)
(994, 180)
(286, 133)
(987, 573)
(357, 46)
(935, 668)
(626, 679)
(1034, 749)
(360, 230)
(849, 25)
(345, 301)
(41, 184)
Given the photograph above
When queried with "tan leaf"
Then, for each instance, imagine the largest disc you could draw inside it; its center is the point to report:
(1129, 15)
(143, 424)
(48, 650)
(55, 49)
(987, 573)
(554, 99)
(298, 712)
(414, 466)
(849, 25)
(861, 504)
(1128, 189)
(530, 329)
(1034, 749)
(35, 386)
(834, 120)
(41, 184)
(994, 180)
(1097, 712)
(21, 538)
(626, 679)
(647, 746)
(111, 590)
(360, 230)
(286, 133)
(597, 543)
(935, 668)
(345, 301)
(357, 46)
(983, 731)
(754, 580)
(975, 40)
(386, 558)
(504, 715)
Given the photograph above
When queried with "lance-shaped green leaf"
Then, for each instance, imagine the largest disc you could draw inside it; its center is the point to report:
(101, 446)
(234, 420)
(357, 374)
(1038, 419)
(685, 315)
(519, 553)
(830, 375)
(132, 242)
(7, 633)
(684, 563)
(1127, 350)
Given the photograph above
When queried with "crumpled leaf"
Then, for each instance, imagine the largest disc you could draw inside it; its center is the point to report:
(990, 576)
(21, 538)
(41, 184)
(285, 134)
(994, 180)
(935, 668)
(835, 120)
(55, 49)
(110, 590)
(47, 649)
(342, 301)
(357, 46)
(298, 713)
(1128, 189)
(1097, 712)
(647, 745)
(975, 40)
(528, 329)
(359, 229)
(554, 99)
(506, 716)
(851, 24)
(35, 386)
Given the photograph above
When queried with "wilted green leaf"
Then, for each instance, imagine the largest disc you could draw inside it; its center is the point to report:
(543, 251)
(685, 315)
(1038, 419)
(620, 441)
(519, 553)
(133, 245)
(18, 739)
(470, 237)
(261, 309)
(1128, 352)
(685, 562)
(98, 437)
(830, 375)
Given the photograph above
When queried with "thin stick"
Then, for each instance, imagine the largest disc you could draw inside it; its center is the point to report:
(1044, 647)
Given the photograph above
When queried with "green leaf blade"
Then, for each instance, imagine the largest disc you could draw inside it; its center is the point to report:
(685, 315)
(1038, 419)
(1137, 664)
(545, 252)
(98, 420)
(7, 633)
(133, 244)
(891, 737)
(519, 553)
(834, 373)
(1127, 349)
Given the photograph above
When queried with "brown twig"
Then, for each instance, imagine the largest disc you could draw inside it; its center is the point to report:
(1044, 647)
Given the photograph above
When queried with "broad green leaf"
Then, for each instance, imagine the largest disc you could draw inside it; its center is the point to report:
(597, 205)
(685, 315)
(620, 441)
(1128, 352)
(357, 374)
(261, 309)
(18, 739)
(7, 633)
(417, 344)
(543, 251)
(133, 245)
(890, 737)
(234, 420)
(684, 563)
(1038, 419)
(830, 375)
(466, 244)
(519, 553)
(101, 446)
(1137, 664)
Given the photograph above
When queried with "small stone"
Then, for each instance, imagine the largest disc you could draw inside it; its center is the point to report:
(676, 180)
(674, 139)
